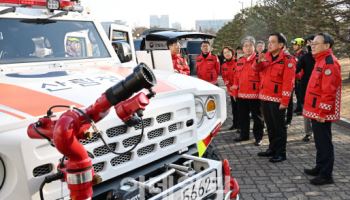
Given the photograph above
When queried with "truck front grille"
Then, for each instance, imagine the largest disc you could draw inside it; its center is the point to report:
(102, 150)
(163, 118)
(167, 142)
(94, 138)
(146, 123)
(98, 166)
(131, 141)
(42, 170)
(117, 130)
(121, 159)
(155, 133)
(175, 127)
(146, 150)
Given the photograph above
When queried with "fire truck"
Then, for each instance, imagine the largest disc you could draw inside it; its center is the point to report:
(76, 123)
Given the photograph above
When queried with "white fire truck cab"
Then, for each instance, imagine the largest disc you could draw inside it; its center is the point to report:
(55, 59)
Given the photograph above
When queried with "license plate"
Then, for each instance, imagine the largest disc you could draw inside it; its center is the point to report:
(199, 189)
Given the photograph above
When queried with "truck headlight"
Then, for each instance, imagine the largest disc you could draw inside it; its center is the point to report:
(2, 173)
(53, 4)
(199, 107)
(210, 107)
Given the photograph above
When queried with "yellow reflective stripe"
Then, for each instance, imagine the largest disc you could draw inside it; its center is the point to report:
(201, 148)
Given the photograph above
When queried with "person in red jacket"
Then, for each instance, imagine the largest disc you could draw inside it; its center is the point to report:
(227, 71)
(208, 66)
(179, 63)
(278, 70)
(322, 106)
(246, 89)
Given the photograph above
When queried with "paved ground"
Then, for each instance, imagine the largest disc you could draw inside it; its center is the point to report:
(260, 179)
(345, 108)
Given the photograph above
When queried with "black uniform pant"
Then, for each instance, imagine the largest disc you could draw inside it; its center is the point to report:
(234, 106)
(290, 110)
(276, 127)
(324, 147)
(245, 108)
(298, 94)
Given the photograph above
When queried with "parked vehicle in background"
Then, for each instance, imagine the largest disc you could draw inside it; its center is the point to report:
(57, 67)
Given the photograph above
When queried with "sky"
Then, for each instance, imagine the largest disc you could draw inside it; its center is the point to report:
(136, 12)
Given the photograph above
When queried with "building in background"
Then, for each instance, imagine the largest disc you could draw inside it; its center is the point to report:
(176, 25)
(210, 25)
(156, 21)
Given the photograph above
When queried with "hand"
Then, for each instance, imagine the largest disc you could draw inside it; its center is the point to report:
(261, 58)
(235, 99)
(321, 120)
(282, 107)
(232, 88)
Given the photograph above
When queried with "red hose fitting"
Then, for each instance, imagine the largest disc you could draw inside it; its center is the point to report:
(78, 168)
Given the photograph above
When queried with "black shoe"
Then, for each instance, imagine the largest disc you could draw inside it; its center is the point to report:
(307, 138)
(288, 123)
(276, 159)
(319, 180)
(298, 113)
(258, 142)
(312, 172)
(267, 153)
(240, 139)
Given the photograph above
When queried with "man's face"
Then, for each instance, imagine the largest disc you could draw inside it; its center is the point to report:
(205, 48)
(274, 46)
(296, 47)
(318, 45)
(175, 48)
(260, 47)
(248, 49)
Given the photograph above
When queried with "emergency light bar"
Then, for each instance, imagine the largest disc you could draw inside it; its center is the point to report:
(49, 4)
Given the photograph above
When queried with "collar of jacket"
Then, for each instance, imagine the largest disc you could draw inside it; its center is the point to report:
(208, 55)
(251, 57)
(174, 56)
(279, 58)
(230, 61)
(322, 54)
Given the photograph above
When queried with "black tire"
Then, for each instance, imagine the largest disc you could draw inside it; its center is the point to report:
(212, 153)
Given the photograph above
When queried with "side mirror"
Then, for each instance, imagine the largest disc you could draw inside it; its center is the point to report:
(123, 51)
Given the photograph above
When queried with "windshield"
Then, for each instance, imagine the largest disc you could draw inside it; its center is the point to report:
(36, 40)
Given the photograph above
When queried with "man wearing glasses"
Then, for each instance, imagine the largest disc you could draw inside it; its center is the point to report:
(322, 106)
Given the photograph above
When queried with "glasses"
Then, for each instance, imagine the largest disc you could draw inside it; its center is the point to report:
(315, 43)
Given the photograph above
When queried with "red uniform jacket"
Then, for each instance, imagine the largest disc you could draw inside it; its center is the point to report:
(208, 68)
(278, 78)
(227, 72)
(246, 81)
(323, 93)
(180, 64)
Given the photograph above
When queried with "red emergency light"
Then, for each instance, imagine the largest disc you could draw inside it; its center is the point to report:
(61, 4)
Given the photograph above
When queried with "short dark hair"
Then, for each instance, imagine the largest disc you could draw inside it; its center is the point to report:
(328, 39)
(309, 37)
(239, 48)
(171, 42)
(280, 38)
(205, 42)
